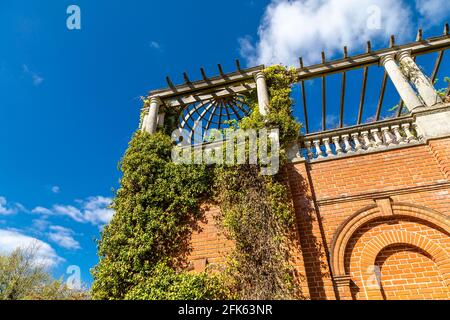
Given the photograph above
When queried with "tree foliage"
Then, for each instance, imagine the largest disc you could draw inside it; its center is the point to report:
(23, 278)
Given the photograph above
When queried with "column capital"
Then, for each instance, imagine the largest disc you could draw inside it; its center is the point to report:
(155, 100)
(259, 75)
(387, 58)
(403, 54)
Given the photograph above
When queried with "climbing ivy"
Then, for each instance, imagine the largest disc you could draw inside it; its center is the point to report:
(143, 250)
(156, 210)
(256, 212)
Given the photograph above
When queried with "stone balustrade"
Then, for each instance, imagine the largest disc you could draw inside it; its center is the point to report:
(359, 139)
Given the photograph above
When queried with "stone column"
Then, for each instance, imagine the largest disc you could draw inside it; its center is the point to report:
(424, 86)
(151, 120)
(263, 93)
(402, 85)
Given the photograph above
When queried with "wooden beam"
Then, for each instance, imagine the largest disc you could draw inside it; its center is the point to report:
(419, 36)
(222, 74)
(437, 65)
(363, 88)
(324, 98)
(238, 65)
(204, 76)
(372, 58)
(380, 100)
(392, 41)
(344, 78)
(305, 109)
(186, 78)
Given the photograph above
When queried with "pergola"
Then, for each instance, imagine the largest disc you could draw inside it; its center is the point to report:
(212, 101)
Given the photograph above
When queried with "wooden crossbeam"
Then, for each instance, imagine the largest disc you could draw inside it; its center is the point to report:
(222, 74)
(181, 94)
(373, 57)
(400, 108)
(238, 65)
(305, 109)
(344, 78)
(364, 85)
(324, 97)
(204, 76)
(437, 65)
(380, 100)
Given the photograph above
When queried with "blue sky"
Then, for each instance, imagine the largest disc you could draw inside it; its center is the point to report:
(69, 99)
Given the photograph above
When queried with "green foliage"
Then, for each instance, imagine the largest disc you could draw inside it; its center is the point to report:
(256, 212)
(156, 209)
(143, 250)
(22, 278)
(164, 283)
(279, 81)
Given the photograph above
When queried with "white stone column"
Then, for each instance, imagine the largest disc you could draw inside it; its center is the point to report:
(144, 122)
(263, 93)
(151, 120)
(424, 86)
(402, 85)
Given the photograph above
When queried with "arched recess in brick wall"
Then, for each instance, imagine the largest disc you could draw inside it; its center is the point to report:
(382, 209)
(371, 276)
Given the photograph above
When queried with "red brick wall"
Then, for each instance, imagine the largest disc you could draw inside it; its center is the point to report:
(326, 194)
(410, 273)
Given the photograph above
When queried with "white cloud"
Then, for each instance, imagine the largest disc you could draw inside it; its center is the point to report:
(290, 29)
(10, 209)
(69, 211)
(42, 210)
(155, 45)
(96, 210)
(56, 189)
(63, 237)
(37, 79)
(11, 240)
(92, 210)
(433, 11)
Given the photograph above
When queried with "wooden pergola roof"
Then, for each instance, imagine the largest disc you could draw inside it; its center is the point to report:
(211, 98)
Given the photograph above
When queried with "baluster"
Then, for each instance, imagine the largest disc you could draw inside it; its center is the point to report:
(348, 147)
(418, 135)
(328, 151)
(376, 137)
(318, 150)
(388, 140)
(309, 153)
(355, 138)
(337, 144)
(409, 135)
(367, 142)
(398, 135)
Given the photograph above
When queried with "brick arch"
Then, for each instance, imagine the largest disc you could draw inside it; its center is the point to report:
(347, 229)
(371, 250)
